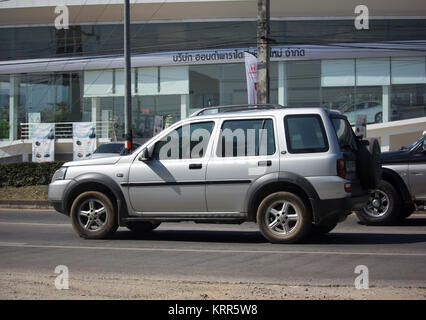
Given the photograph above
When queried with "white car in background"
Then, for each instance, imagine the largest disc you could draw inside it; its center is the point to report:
(372, 109)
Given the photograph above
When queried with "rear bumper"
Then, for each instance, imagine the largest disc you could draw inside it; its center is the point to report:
(338, 208)
(334, 200)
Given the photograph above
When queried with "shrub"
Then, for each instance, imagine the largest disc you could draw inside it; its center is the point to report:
(27, 173)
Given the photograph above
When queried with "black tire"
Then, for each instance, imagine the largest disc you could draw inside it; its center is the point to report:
(407, 210)
(142, 226)
(386, 210)
(292, 217)
(88, 206)
(369, 164)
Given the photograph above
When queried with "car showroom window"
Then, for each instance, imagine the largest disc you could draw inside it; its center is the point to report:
(301, 140)
(242, 138)
(186, 142)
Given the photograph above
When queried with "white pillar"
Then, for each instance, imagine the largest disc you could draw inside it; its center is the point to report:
(13, 106)
(183, 106)
(282, 84)
(96, 109)
(387, 104)
(385, 142)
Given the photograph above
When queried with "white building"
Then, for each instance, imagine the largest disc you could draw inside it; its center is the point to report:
(188, 54)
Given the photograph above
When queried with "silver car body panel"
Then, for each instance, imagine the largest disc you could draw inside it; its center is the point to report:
(170, 188)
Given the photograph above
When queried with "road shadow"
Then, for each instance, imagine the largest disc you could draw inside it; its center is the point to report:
(411, 222)
(221, 236)
(366, 238)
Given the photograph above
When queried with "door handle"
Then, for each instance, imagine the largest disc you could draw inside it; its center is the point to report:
(267, 163)
(193, 166)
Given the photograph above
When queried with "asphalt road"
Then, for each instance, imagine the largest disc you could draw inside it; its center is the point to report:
(34, 240)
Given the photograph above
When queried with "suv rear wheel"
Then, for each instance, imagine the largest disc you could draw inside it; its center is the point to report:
(93, 215)
(283, 218)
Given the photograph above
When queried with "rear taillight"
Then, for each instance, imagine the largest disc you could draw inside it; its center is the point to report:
(341, 168)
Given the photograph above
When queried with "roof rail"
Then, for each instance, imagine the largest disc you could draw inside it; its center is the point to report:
(236, 108)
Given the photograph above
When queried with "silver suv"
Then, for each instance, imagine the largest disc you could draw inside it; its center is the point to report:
(292, 170)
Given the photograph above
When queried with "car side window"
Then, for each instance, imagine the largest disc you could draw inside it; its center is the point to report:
(242, 138)
(189, 141)
(305, 134)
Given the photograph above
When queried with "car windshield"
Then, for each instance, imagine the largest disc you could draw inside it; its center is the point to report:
(345, 134)
(411, 146)
(109, 148)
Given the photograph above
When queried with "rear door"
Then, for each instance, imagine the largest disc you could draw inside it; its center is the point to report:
(347, 144)
(244, 150)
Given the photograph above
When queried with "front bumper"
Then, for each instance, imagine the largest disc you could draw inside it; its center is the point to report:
(56, 194)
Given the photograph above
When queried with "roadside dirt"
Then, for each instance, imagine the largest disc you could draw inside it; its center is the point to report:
(31, 285)
(24, 193)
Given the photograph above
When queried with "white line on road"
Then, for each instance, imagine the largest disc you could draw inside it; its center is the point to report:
(36, 224)
(25, 245)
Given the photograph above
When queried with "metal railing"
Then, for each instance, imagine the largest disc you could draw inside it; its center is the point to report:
(63, 130)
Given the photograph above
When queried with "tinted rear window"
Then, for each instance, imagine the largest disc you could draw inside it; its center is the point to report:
(345, 134)
(305, 134)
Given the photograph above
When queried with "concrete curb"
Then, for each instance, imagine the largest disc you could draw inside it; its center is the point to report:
(25, 204)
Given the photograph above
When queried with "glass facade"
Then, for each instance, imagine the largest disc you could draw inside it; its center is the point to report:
(383, 89)
(4, 107)
(174, 93)
(101, 39)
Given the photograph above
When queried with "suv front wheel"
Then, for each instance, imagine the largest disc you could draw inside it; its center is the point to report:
(93, 215)
(283, 218)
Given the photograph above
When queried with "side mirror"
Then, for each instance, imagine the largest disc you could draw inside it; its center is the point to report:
(423, 147)
(146, 154)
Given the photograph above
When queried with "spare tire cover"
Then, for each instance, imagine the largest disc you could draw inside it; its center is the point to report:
(369, 164)
(376, 166)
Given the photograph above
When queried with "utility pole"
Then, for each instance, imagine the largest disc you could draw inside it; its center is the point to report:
(263, 31)
(128, 80)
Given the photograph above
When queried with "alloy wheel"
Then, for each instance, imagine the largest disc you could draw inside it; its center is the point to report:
(92, 214)
(378, 204)
(282, 217)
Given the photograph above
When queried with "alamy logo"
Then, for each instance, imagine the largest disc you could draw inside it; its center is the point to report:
(361, 281)
(62, 20)
(62, 280)
(362, 20)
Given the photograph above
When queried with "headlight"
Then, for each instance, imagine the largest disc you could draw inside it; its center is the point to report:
(59, 174)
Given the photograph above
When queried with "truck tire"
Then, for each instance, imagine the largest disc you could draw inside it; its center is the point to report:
(283, 217)
(407, 210)
(384, 206)
(93, 215)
